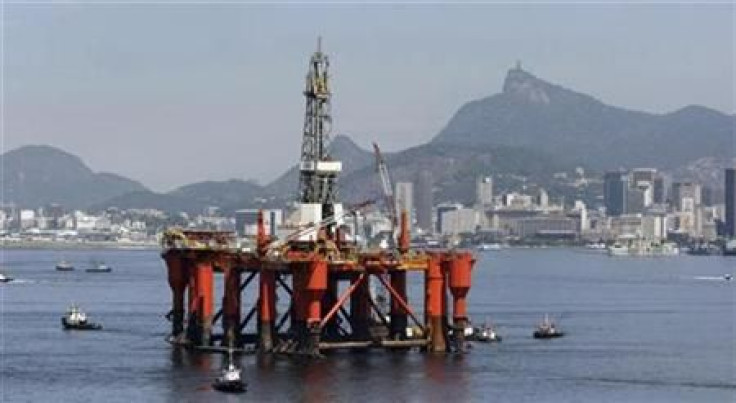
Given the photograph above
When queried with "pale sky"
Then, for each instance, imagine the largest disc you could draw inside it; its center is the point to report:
(170, 94)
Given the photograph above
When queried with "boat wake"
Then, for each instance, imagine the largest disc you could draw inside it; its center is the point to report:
(21, 281)
(710, 278)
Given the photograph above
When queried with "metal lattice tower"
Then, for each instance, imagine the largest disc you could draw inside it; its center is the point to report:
(318, 172)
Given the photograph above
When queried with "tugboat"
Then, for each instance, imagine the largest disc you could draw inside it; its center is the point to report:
(486, 334)
(64, 266)
(99, 268)
(547, 329)
(230, 381)
(75, 319)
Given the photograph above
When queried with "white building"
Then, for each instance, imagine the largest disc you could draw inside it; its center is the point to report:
(404, 196)
(484, 192)
(246, 221)
(458, 221)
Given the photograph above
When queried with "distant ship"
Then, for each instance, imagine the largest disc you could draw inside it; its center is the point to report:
(703, 249)
(641, 247)
(596, 246)
(5, 279)
(729, 249)
(547, 329)
(64, 266)
(489, 247)
(99, 268)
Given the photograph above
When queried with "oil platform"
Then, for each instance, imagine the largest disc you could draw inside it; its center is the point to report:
(313, 290)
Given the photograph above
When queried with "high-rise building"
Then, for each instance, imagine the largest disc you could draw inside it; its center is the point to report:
(424, 200)
(246, 221)
(731, 202)
(404, 198)
(660, 193)
(686, 195)
(615, 185)
(643, 175)
(443, 209)
(484, 192)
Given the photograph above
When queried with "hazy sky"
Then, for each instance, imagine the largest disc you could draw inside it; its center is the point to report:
(171, 94)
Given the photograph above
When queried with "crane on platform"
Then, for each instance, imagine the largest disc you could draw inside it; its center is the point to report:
(387, 187)
(388, 196)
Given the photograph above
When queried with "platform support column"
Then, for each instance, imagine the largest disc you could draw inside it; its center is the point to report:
(205, 291)
(434, 308)
(231, 307)
(178, 283)
(267, 309)
(398, 313)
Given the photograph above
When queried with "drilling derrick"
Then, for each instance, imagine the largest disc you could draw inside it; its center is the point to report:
(317, 170)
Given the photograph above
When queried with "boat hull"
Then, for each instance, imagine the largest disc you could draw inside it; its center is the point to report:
(107, 270)
(80, 326)
(546, 335)
(64, 268)
(229, 386)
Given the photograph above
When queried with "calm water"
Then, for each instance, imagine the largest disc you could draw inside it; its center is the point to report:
(649, 330)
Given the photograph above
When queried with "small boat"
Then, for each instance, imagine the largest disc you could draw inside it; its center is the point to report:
(75, 319)
(5, 279)
(489, 247)
(728, 277)
(547, 329)
(230, 380)
(64, 266)
(99, 268)
(618, 249)
(486, 334)
(729, 248)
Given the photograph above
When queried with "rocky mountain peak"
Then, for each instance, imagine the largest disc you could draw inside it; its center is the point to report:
(525, 87)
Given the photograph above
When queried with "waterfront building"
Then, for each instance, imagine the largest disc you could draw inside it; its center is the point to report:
(615, 186)
(424, 200)
(659, 191)
(458, 221)
(686, 195)
(547, 226)
(730, 217)
(246, 221)
(404, 195)
(484, 192)
(441, 210)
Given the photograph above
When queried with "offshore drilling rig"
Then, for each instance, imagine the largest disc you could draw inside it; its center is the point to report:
(324, 278)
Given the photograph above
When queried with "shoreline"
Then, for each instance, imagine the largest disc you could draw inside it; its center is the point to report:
(5, 245)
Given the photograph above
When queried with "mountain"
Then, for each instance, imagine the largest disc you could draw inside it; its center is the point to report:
(454, 169)
(146, 199)
(533, 113)
(34, 176)
(229, 195)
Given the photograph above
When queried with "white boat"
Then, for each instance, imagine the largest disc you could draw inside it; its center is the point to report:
(76, 319)
(231, 379)
(596, 246)
(489, 246)
(642, 247)
(99, 268)
(618, 249)
(5, 279)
